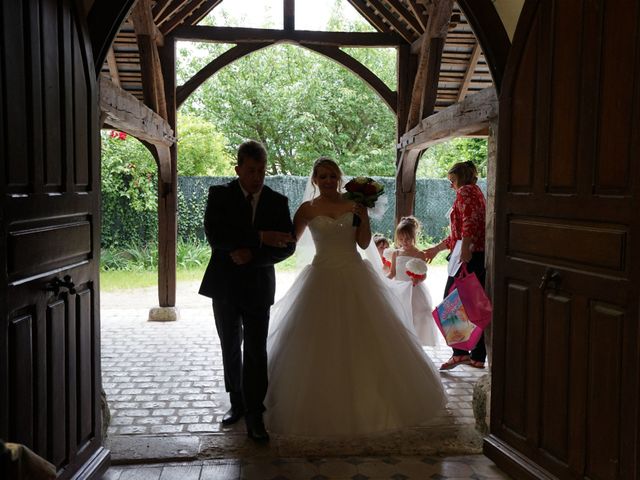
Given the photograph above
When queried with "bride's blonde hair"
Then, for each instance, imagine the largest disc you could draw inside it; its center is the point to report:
(329, 163)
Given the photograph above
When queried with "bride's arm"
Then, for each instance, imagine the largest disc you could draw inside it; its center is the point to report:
(300, 220)
(363, 232)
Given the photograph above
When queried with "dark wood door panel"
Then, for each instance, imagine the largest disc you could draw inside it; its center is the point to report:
(52, 369)
(566, 347)
(49, 185)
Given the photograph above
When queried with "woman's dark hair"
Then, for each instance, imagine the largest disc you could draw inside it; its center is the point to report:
(466, 172)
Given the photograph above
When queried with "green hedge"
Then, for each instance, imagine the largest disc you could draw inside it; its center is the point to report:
(122, 226)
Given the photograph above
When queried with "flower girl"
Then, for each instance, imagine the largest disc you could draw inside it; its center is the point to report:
(408, 270)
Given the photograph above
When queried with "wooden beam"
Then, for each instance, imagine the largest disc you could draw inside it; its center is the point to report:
(171, 10)
(113, 67)
(470, 116)
(159, 9)
(183, 91)
(404, 74)
(194, 15)
(418, 13)
(405, 15)
(386, 94)
(430, 93)
(370, 15)
(289, 12)
(152, 81)
(437, 27)
(201, 33)
(125, 112)
(490, 33)
(392, 20)
(473, 61)
(103, 21)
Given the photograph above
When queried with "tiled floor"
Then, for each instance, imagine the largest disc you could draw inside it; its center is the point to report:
(476, 467)
(165, 389)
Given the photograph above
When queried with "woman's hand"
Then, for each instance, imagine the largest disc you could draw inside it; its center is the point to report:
(360, 210)
(465, 251)
(430, 253)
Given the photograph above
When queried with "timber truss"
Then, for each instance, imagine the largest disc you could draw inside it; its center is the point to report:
(446, 85)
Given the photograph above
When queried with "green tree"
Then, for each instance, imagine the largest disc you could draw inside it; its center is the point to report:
(202, 149)
(128, 170)
(299, 104)
(129, 183)
(436, 160)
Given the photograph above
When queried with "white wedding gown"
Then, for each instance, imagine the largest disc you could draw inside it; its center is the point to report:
(341, 361)
(418, 299)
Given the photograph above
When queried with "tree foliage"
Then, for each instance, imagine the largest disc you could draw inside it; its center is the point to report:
(202, 149)
(299, 104)
(436, 160)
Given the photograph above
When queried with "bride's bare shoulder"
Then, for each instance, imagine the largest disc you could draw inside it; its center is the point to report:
(304, 209)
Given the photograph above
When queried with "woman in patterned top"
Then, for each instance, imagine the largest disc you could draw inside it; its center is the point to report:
(466, 245)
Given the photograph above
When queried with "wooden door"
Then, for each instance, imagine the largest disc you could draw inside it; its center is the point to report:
(49, 323)
(565, 380)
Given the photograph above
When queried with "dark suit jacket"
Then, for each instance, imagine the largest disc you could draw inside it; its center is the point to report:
(227, 223)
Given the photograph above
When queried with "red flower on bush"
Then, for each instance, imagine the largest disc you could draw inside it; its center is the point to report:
(118, 134)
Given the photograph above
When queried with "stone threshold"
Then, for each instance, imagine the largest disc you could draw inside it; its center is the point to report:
(441, 440)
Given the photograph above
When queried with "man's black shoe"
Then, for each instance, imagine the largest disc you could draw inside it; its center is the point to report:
(232, 416)
(256, 431)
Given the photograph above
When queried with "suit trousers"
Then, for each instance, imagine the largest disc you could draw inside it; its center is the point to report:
(245, 369)
(475, 265)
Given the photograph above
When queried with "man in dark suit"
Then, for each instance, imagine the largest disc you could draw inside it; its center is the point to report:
(249, 228)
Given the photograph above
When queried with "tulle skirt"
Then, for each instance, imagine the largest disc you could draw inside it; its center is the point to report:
(419, 300)
(342, 361)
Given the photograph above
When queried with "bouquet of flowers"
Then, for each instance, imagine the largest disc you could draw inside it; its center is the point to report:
(363, 190)
(386, 257)
(416, 270)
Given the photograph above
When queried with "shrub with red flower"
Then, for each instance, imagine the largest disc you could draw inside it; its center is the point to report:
(118, 135)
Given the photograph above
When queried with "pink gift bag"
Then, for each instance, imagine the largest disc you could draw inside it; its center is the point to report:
(473, 297)
(464, 313)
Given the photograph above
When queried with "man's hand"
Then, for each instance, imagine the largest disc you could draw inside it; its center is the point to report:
(241, 256)
(277, 239)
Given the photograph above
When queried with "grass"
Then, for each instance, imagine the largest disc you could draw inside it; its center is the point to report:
(114, 280)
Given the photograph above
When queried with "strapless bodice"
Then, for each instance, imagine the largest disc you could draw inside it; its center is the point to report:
(334, 239)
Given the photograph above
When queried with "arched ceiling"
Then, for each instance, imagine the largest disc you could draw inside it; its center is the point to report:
(463, 69)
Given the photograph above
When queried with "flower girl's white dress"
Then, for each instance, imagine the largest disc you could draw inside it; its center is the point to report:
(341, 361)
(418, 299)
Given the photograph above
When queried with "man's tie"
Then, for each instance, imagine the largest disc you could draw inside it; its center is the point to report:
(249, 198)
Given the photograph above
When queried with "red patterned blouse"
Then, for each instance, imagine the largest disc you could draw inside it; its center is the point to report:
(468, 218)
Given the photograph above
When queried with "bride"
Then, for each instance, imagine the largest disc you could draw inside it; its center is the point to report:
(341, 361)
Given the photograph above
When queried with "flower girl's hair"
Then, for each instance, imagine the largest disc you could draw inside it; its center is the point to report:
(408, 227)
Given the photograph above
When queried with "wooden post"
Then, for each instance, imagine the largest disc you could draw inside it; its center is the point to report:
(289, 9)
(167, 191)
(406, 183)
(492, 154)
(406, 71)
